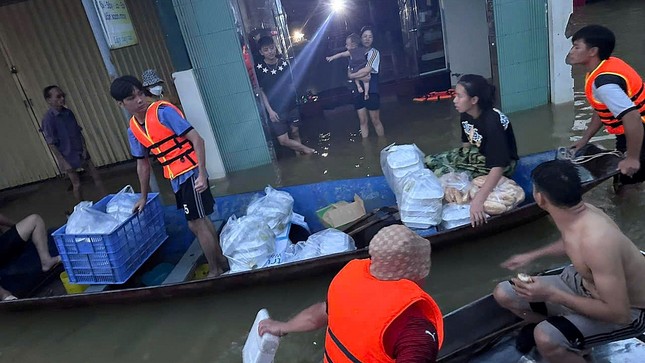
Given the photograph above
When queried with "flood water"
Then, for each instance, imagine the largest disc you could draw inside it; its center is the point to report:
(213, 327)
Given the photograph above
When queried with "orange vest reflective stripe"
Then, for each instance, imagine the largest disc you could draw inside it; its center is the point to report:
(635, 91)
(360, 309)
(174, 152)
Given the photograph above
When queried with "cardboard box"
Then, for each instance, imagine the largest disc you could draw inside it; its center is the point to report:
(341, 214)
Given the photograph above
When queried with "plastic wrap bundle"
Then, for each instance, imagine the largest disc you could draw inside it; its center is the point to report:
(275, 208)
(506, 195)
(325, 242)
(397, 161)
(456, 187)
(121, 205)
(247, 242)
(421, 200)
(455, 215)
(87, 220)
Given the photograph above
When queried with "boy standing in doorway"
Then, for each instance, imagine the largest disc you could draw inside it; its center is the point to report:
(278, 94)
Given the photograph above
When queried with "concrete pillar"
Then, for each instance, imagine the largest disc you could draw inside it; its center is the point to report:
(561, 79)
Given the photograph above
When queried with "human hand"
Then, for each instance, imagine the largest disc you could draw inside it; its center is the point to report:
(274, 116)
(139, 205)
(534, 291)
(629, 166)
(517, 261)
(477, 214)
(272, 327)
(329, 59)
(201, 183)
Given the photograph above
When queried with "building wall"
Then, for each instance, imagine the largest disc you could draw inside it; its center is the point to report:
(50, 42)
(151, 52)
(522, 46)
(467, 37)
(214, 48)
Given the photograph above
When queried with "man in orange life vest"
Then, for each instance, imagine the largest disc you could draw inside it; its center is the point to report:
(616, 93)
(376, 310)
(161, 129)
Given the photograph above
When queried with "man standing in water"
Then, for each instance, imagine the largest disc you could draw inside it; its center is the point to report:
(598, 299)
(161, 129)
(616, 93)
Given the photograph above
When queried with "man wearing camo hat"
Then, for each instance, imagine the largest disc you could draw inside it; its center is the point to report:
(376, 310)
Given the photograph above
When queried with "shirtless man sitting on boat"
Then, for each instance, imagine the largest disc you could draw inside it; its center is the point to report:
(598, 299)
(13, 240)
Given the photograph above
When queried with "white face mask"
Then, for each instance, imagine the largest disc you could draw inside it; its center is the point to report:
(156, 90)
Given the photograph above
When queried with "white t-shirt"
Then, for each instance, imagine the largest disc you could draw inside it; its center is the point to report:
(374, 59)
(609, 90)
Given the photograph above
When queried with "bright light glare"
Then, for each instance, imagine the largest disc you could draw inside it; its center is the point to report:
(298, 36)
(337, 5)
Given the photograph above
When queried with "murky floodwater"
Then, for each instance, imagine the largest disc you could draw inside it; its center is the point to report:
(213, 327)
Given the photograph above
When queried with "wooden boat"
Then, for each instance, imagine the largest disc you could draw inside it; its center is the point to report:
(484, 332)
(183, 256)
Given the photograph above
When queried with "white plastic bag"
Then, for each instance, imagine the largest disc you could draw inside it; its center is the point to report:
(460, 181)
(421, 199)
(87, 220)
(247, 242)
(120, 206)
(332, 241)
(455, 215)
(397, 161)
(275, 208)
(302, 250)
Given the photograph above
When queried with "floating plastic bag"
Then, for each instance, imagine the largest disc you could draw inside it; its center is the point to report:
(332, 241)
(120, 206)
(275, 208)
(87, 220)
(247, 242)
(455, 215)
(421, 200)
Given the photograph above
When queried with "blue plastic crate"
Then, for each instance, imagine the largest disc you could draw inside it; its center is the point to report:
(113, 258)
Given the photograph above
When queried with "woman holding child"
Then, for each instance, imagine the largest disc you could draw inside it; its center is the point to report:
(488, 143)
(368, 107)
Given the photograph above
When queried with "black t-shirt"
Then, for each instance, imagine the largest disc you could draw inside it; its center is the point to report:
(277, 83)
(493, 134)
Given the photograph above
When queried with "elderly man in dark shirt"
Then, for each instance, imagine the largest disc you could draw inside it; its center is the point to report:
(63, 134)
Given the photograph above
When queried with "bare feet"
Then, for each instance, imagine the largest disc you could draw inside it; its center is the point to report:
(51, 263)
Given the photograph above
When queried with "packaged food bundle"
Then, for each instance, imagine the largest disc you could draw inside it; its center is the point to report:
(506, 195)
(456, 187)
(397, 161)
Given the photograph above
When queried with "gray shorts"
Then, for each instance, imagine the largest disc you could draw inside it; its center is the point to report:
(574, 331)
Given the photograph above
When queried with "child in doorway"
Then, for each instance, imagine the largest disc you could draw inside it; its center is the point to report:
(357, 60)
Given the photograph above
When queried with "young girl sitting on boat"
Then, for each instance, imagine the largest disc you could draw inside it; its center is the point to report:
(488, 143)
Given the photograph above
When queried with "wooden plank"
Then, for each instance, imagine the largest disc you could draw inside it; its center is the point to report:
(186, 266)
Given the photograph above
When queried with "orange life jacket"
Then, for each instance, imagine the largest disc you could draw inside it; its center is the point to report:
(361, 307)
(174, 152)
(635, 91)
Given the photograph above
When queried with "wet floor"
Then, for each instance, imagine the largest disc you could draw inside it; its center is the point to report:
(213, 327)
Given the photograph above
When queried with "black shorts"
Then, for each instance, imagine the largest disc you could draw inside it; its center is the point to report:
(288, 119)
(11, 245)
(373, 103)
(639, 176)
(195, 205)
